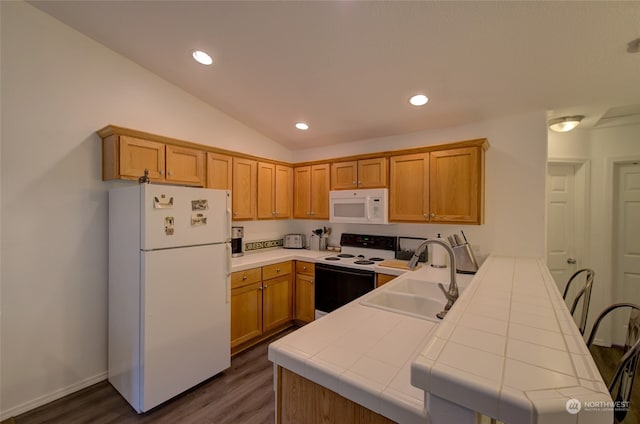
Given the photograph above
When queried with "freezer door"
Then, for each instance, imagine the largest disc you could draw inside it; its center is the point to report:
(175, 216)
(185, 319)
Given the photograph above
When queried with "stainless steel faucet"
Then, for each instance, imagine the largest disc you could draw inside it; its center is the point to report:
(451, 294)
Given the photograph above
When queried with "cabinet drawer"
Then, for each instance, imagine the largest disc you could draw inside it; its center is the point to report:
(275, 270)
(248, 276)
(307, 268)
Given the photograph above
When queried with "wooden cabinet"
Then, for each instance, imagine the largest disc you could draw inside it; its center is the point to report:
(261, 302)
(382, 279)
(304, 304)
(126, 157)
(275, 190)
(244, 188)
(219, 171)
(444, 186)
(363, 173)
(311, 191)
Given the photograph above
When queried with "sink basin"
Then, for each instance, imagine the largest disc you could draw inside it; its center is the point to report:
(407, 304)
(418, 287)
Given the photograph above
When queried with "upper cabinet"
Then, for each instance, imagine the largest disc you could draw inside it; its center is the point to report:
(363, 173)
(442, 186)
(311, 191)
(244, 191)
(127, 157)
(275, 191)
(219, 171)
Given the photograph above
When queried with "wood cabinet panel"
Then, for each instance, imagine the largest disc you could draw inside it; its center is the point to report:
(277, 302)
(344, 175)
(409, 188)
(242, 278)
(219, 171)
(284, 191)
(137, 154)
(244, 188)
(274, 191)
(276, 270)
(305, 298)
(454, 186)
(311, 191)
(372, 173)
(184, 165)
(307, 268)
(382, 279)
(246, 313)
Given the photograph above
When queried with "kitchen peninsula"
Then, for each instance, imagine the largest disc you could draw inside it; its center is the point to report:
(507, 349)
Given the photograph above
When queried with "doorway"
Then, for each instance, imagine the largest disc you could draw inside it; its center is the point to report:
(567, 217)
(626, 240)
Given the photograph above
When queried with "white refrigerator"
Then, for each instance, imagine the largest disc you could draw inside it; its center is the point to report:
(169, 271)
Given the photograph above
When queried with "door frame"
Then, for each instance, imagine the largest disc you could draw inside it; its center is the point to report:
(582, 203)
(611, 164)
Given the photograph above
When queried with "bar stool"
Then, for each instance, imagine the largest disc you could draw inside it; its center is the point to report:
(621, 384)
(584, 293)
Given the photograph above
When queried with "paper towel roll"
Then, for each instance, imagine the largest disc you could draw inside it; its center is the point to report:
(438, 255)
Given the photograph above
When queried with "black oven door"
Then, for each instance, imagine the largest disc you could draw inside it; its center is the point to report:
(336, 286)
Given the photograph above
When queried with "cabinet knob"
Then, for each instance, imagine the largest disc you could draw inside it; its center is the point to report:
(170, 173)
(433, 215)
(244, 277)
(304, 268)
(235, 214)
(277, 269)
(260, 288)
(264, 287)
(353, 183)
(359, 182)
(161, 172)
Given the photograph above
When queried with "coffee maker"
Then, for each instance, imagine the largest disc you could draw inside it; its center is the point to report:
(236, 241)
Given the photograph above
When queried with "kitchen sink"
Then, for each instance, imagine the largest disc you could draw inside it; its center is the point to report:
(407, 303)
(418, 288)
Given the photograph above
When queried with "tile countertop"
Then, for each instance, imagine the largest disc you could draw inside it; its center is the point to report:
(510, 349)
(364, 353)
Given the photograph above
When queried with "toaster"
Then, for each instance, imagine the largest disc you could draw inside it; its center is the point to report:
(293, 241)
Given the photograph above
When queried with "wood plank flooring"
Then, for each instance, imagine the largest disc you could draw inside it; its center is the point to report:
(242, 394)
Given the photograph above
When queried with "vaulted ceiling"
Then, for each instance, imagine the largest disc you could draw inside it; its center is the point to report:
(348, 68)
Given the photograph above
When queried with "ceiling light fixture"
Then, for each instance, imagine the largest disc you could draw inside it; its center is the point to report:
(202, 57)
(302, 126)
(566, 123)
(419, 100)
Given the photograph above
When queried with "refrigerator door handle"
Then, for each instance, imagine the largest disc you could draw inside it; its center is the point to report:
(228, 275)
(229, 217)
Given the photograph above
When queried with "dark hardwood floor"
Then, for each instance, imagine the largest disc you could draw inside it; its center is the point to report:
(606, 359)
(241, 394)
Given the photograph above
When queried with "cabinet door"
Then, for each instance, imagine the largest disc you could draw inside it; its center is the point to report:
(302, 192)
(266, 190)
(277, 298)
(136, 155)
(455, 183)
(372, 173)
(246, 313)
(184, 165)
(320, 182)
(219, 171)
(304, 299)
(283, 191)
(344, 175)
(244, 188)
(409, 188)
(382, 279)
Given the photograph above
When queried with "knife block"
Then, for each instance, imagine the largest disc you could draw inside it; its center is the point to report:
(465, 260)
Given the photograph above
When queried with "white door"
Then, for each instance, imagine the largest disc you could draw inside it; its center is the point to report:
(561, 216)
(184, 216)
(185, 329)
(626, 261)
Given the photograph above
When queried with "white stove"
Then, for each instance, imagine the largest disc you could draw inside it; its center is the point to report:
(359, 258)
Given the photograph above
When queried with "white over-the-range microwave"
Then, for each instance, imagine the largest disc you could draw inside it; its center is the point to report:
(368, 206)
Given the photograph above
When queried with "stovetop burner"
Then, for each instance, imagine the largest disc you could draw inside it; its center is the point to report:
(345, 255)
(364, 262)
(374, 259)
(331, 258)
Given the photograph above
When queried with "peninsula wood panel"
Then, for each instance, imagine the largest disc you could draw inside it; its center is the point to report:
(303, 401)
(219, 171)
(454, 186)
(409, 188)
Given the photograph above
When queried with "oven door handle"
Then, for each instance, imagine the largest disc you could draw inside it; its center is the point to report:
(342, 270)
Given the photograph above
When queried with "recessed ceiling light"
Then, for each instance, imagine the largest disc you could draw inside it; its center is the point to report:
(302, 126)
(419, 100)
(202, 57)
(566, 123)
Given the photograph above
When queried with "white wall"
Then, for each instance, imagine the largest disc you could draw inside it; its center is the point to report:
(601, 147)
(54, 205)
(58, 88)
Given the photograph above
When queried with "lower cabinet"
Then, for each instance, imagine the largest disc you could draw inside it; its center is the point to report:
(261, 302)
(382, 279)
(304, 309)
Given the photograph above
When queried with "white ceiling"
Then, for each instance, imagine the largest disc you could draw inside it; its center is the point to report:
(348, 68)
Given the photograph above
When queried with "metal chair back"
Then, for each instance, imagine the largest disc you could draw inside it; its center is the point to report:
(584, 294)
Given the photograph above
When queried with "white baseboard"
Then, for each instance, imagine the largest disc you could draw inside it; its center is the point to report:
(43, 400)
